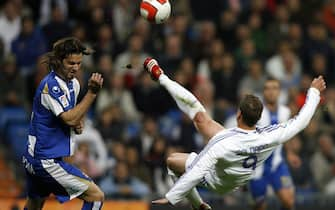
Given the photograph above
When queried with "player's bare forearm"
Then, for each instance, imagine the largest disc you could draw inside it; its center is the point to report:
(73, 116)
(206, 125)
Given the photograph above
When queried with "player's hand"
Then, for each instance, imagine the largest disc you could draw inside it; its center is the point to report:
(78, 129)
(161, 201)
(95, 83)
(319, 83)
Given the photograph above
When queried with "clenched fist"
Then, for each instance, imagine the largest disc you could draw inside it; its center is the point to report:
(95, 83)
(319, 83)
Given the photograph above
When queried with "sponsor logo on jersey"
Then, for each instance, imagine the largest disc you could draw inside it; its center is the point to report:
(55, 89)
(63, 100)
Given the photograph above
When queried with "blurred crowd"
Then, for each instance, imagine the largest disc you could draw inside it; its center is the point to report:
(220, 50)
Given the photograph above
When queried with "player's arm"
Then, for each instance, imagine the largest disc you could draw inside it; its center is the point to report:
(73, 116)
(194, 175)
(285, 131)
(185, 100)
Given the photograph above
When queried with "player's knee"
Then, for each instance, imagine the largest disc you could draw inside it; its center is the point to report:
(288, 202)
(260, 206)
(171, 160)
(101, 196)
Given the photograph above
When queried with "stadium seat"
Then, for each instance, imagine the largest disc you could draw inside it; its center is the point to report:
(16, 135)
(9, 114)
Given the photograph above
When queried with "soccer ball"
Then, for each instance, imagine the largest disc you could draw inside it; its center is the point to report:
(155, 11)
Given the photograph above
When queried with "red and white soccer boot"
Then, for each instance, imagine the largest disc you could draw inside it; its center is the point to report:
(203, 206)
(151, 65)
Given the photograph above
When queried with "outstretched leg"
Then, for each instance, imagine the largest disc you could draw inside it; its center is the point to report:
(185, 100)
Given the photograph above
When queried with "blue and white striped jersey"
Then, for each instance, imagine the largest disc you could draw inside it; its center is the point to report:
(49, 137)
(270, 118)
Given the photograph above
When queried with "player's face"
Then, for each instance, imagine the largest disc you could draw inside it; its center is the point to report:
(71, 65)
(271, 91)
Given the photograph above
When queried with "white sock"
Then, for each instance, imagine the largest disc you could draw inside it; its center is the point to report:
(185, 100)
(193, 196)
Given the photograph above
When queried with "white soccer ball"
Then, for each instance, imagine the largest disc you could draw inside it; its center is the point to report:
(155, 11)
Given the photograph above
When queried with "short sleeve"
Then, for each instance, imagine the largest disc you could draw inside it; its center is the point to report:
(51, 104)
(55, 99)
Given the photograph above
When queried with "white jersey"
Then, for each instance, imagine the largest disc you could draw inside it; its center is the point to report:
(231, 156)
(282, 115)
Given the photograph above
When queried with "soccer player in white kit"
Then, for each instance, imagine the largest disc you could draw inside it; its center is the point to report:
(231, 155)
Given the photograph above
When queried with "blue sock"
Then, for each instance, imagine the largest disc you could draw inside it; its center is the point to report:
(91, 205)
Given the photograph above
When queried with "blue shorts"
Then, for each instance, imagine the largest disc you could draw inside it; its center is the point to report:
(278, 179)
(54, 176)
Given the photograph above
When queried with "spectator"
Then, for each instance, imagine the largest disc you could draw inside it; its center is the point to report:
(123, 18)
(279, 28)
(217, 49)
(295, 37)
(120, 184)
(155, 160)
(317, 42)
(105, 42)
(84, 161)
(173, 54)
(323, 164)
(142, 28)
(10, 24)
(319, 67)
(12, 85)
(111, 124)
(28, 46)
(286, 67)
(258, 34)
(225, 76)
(105, 67)
(134, 55)
(201, 48)
(116, 94)
(299, 167)
(136, 165)
(45, 10)
(150, 99)
(245, 53)
(93, 18)
(57, 28)
(253, 82)
(147, 136)
(328, 114)
(79, 32)
(328, 15)
(227, 27)
(97, 149)
(181, 26)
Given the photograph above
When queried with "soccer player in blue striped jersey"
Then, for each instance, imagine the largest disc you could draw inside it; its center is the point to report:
(274, 171)
(56, 118)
